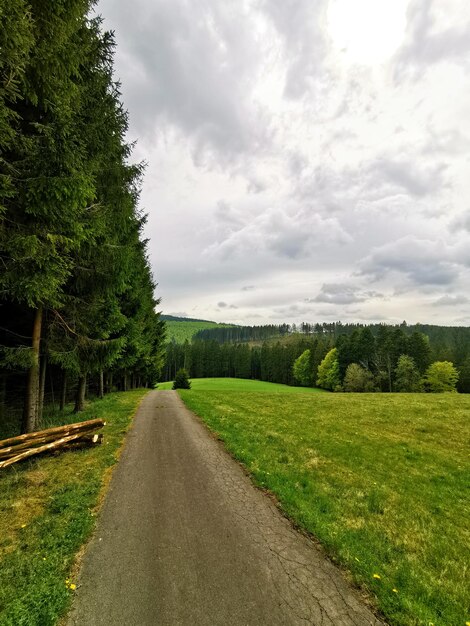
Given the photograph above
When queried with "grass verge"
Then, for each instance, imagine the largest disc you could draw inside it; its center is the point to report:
(382, 480)
(47, 512)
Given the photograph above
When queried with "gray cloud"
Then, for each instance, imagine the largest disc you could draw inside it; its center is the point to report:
(191, 74)
(299, 22)
(423, 262)
(460, 222)
(395, 175)
(286, 235)
(340, 293)
(448, 300)
(427, 45)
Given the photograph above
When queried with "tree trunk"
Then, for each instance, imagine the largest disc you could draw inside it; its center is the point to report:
(63, 394)
(125, 383)
(31, 403)
(80, 397)
(42, 386)
(101, 391)
(110, 382)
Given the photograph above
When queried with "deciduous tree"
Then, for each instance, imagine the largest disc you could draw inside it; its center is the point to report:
(328, 376)
(441, 376)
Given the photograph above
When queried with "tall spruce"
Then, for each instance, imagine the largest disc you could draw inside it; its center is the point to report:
(70, 234)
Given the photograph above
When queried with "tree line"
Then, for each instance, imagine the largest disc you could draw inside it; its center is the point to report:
(77, 298)
(376, 349)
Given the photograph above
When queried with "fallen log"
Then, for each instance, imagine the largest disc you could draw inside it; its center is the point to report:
(64, 430)
(54, 445)
(6, 453)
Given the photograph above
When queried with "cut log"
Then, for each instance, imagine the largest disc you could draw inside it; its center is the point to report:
(58, 431)
(85, 441)
(9, 451)
(54, 445)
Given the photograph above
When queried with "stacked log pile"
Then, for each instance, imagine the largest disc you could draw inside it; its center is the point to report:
(69, 436)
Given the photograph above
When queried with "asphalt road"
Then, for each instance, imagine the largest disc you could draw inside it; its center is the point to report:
(185, 539)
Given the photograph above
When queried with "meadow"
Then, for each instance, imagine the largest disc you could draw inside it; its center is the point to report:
(240, 385)
(381, 480)
(47, 511)
(182, 331)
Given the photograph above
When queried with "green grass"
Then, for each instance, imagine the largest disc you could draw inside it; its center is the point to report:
(47, 512)
(182, 331)
(242, 385)
(382, 480)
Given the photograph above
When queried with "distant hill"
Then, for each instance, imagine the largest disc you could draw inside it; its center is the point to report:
(174, 318)
(180, 329)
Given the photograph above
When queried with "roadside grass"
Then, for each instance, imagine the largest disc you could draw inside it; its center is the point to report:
(47, 512)
(241, 384)
(382, 480)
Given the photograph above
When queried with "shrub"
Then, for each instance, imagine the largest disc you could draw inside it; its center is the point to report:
(181, 380)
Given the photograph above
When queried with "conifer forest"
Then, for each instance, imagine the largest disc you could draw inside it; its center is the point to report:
(77, 305)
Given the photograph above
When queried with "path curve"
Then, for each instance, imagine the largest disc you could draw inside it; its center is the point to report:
(185, 539)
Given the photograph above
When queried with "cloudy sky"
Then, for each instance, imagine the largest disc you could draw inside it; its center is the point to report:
(307, 159)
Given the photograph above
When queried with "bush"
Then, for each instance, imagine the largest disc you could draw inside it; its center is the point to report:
(181, 380)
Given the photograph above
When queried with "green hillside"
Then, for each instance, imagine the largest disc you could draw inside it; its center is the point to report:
(179, 329)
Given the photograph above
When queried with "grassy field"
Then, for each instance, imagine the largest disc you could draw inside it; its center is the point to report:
(241, 385)
(47, 512)
(382, 480)
(182, 331)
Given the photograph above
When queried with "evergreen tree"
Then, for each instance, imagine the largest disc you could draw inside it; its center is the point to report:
(181, 380)
(463, 384)
(72, 259)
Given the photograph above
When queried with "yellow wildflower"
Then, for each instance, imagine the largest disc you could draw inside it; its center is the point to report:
(395, 590)
(377, 576)
(73, 587)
